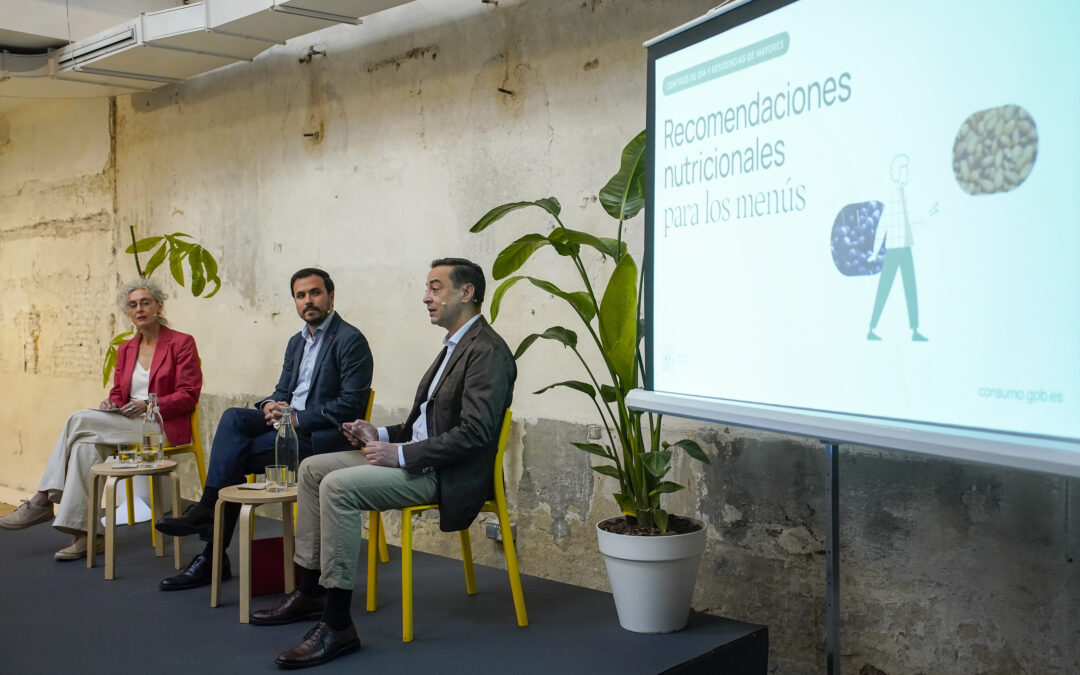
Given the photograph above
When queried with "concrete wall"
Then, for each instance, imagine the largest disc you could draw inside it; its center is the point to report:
(948, 567)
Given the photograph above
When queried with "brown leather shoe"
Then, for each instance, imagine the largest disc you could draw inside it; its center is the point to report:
(295, 607)
(321, 644)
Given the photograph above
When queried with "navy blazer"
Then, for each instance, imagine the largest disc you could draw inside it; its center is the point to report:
(340, 384)
(464, 418)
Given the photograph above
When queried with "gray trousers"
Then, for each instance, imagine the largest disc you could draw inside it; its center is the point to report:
(333, 492)
(89, 436)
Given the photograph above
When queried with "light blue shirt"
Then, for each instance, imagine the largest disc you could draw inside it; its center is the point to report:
(419, 428)
(313, 343)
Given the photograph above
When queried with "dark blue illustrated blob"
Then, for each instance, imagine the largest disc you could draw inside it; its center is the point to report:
(853, 234)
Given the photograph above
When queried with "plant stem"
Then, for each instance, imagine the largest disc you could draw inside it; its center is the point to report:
(135, 249)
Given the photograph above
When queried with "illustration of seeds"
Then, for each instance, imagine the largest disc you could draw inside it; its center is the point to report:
(995, 150)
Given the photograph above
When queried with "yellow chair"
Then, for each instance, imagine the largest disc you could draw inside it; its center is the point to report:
(496, 506)
(384, 553)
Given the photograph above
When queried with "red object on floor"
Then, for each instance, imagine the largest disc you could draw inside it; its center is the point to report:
(267, 575)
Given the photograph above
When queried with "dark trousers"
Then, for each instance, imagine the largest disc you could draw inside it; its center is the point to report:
(243, 444)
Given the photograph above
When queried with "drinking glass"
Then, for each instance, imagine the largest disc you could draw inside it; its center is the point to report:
(128, 454)
(276, 477)
(150, 456)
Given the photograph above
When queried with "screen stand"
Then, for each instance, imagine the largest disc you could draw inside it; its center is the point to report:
(832, 559)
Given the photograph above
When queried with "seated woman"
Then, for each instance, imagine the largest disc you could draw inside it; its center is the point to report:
(157, 360)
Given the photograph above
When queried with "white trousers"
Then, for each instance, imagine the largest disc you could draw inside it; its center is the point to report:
(89, 436)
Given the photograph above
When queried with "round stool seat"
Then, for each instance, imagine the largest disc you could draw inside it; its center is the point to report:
(242, 495)
(111, 469)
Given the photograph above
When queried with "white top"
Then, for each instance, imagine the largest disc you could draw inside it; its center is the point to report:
(420, 425)
(140, 383)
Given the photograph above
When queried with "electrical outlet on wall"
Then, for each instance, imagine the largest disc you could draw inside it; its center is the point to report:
(493, 531)
(593, 433)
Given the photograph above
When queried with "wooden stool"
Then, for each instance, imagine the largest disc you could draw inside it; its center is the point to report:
(249, 499)
(111, 475)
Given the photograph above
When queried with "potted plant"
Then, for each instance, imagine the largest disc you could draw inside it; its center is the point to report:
(645, 539)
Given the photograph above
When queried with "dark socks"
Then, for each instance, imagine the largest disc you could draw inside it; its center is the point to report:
(309, 584)
(209, 497)
(336, 614)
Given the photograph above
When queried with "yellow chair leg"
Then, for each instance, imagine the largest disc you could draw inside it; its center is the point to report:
(466, 560)
(128, 485)
(375, 533)
(201, 469)
(512, 567)
(406, 577)
(384, 553)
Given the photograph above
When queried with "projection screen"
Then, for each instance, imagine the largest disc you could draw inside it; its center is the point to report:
(862, 225)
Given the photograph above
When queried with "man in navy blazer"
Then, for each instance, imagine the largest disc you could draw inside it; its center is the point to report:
(327, 371)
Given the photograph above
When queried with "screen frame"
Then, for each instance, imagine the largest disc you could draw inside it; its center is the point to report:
(1048, 454)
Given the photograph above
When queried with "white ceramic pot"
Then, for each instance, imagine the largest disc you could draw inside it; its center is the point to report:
(652, 578)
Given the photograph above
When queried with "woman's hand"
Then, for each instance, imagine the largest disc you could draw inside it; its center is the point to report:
(107, 405)
(133, 408)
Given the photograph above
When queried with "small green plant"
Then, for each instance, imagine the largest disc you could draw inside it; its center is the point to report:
(172, 247)
(635, 455)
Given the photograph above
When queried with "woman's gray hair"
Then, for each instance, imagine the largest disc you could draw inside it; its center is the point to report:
(145, 284)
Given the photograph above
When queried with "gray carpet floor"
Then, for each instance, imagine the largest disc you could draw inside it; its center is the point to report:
(63, 617)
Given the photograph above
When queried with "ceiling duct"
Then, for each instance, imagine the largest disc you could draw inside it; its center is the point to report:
(172, 45)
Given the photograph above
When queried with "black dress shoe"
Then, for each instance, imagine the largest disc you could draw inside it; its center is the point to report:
(321, 644)
(199, 572)
(295, 607)
(195, 519)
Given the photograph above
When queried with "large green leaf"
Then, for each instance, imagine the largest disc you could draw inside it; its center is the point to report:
(549, 204)
(606, 469)
(666, 487)
(626, 504)
(210, 270)
(156, 259)
(605, 245)
(594, 448)
(624, 194)
(691, 448)
(577, 385)
(496, 297)
(564, 335)
(110, 356)
(108, 366)
(656, 463)
(581, 301)
(514, 256)
(609, 393)
(198, 278)
(143, 245)
(176, 264)
(618, 321)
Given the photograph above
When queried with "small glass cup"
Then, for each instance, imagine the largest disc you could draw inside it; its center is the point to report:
(127, 454)
(276, 477)
(150, 456)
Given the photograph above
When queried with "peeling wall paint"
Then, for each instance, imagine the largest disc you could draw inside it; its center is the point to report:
(427, 115)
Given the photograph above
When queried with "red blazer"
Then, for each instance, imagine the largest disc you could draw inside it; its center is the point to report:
(175, 376)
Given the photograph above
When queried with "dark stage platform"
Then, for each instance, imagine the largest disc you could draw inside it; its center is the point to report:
(63, 617)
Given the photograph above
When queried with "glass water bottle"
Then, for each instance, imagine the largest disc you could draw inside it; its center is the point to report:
(151, 450)
(286, 454)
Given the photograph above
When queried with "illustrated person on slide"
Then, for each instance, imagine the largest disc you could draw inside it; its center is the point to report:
(895, 233)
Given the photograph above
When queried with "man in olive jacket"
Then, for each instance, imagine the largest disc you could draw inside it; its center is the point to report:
(444, 452)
